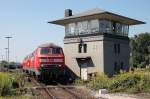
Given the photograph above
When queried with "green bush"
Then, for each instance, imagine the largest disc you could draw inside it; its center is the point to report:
(18, 78)
(138, 81)
(79, 82)
(145, 82)
(124, 81)
(100, 82)
(5, 84)
(11, 83)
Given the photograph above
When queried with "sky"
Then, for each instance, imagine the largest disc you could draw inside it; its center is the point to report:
(26, 21)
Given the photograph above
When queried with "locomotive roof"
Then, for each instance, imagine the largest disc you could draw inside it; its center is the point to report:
(49, 45)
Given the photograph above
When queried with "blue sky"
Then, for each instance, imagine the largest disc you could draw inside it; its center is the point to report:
(26, 20)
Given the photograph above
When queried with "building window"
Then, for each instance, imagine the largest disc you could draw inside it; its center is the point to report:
(115, 67)
(117, 48)
(80, 48)
(85, 48)
(119, 28)
(125, 30)
(72, 28)
(114, 27)
(118, 45)
(94, 26)
(105, 26)
(121, 66)
(82, 27)
(66, 30)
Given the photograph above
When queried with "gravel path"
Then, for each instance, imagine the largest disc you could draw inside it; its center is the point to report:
(124, 96)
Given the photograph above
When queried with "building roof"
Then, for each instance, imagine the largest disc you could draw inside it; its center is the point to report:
(96, 14)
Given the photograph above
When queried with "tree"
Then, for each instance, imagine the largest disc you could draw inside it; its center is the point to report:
(140, 49)
(4, 63)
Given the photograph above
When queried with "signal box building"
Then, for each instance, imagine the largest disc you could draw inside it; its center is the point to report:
(96, 41)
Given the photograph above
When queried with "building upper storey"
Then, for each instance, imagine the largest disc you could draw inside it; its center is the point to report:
(95, 21)
(96, 26)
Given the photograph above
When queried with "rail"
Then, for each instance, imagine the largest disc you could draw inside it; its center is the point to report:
(42, 87)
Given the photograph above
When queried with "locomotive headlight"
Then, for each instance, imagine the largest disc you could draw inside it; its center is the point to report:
(59, 65)
(42, 65)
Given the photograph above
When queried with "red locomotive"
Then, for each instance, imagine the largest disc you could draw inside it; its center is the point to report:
(47, 61)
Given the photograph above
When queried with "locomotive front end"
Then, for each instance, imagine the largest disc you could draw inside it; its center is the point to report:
(51, 60)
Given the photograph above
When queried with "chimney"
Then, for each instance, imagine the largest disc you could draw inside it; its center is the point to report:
(68, 12)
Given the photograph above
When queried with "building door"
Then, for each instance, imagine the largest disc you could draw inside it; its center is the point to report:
(84, 73)
(83, 64)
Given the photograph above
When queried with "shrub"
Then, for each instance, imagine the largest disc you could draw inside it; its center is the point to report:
(8, 82)
(145, 82)
(18, 79)
(79, 82)
(132, 82)
(5, 84)
(123, 82)
(99, 82)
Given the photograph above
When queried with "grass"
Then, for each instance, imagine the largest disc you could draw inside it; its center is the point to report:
(130, 82)
(17, 97)
(5, 84)
(12, 85)
(18, 79)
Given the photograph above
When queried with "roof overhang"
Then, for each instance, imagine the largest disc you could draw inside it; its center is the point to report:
(100, 16)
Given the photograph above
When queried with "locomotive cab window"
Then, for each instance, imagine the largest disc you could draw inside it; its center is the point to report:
(56, 51)
(45, 51)
(51, 51)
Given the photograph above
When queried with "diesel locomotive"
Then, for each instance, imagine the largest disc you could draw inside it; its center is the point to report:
(46, 62)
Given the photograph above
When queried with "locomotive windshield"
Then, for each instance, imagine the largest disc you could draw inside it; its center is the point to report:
(45, 51)
(51, 51)
(56, 51)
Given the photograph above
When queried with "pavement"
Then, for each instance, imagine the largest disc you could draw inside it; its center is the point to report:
(114, 96)
(103, 94)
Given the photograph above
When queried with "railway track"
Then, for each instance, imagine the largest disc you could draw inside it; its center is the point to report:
(42, 90)
(58, 91)
(47, 93)
(67, 89)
